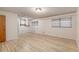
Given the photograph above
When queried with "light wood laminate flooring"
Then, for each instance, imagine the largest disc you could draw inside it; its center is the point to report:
(32, 42)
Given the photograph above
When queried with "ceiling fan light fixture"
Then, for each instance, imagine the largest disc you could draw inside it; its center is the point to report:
(38, 9)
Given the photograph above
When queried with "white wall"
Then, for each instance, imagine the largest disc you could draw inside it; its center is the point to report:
(45, 27)
(11, 25)
(77, 39)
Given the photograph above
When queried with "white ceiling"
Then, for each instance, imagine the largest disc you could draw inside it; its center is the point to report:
(45, 12)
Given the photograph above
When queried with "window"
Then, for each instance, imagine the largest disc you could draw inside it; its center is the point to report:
(65, 22)
(24, 22)
(55, 23)
(35, 23)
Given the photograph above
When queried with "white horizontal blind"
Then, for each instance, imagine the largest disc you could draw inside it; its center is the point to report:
(35, 23)
(55, 23)
(65, 22)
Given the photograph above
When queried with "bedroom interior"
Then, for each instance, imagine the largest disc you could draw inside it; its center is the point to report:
(39, 29)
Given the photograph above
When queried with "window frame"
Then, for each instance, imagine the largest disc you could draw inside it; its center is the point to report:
(24, 23)
(34, 23)
(70, 19)
(60, 20)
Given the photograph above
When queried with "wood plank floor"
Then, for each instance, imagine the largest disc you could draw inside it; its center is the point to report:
(32, 42)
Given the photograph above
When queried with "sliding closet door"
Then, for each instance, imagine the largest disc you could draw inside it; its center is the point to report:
(2, 28)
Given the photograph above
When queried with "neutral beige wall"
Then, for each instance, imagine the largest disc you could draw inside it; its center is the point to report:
(45, 27)
(11, 25)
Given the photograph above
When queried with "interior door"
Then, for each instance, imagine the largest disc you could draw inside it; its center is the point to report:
(2, 29)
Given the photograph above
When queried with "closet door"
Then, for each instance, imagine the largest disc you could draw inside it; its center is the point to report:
(2, 28)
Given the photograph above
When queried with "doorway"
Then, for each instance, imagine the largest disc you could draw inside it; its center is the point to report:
(2, 28)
